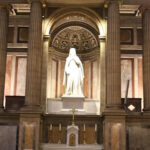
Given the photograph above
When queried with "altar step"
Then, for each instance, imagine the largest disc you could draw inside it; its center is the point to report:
(65, 147)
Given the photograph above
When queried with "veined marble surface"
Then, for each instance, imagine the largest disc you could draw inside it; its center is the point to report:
(90, 107)
(65, 147)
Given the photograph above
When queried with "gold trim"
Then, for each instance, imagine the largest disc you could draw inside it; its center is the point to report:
(44, 3)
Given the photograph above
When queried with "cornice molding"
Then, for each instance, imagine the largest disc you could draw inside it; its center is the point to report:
(144, 8)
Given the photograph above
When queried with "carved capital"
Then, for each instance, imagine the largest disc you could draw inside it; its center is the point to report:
(144, 8)
(42, 1)
(102, 38)
(46, 37)
(107, 2)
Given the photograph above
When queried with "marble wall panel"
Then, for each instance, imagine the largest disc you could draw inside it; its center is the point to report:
(140, 78)
(8, 137)
(86, 79)
(90, 87)
(138, 137)
(23, 34)
(94, 80)
(139, 37)
(126, 36)
(115, 136)
(8, 75)
(62, 88)
(127, 73)
(20, 76)
(11, 34)
(114, 132)
(54, 79)
(29, 136)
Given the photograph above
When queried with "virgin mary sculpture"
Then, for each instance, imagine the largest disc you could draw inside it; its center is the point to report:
(73, 75)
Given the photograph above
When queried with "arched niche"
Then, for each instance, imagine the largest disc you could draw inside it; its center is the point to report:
(79, 28)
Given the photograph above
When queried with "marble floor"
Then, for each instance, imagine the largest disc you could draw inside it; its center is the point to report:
(64, 147)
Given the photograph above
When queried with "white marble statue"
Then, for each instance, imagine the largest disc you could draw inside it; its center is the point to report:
(73, 75)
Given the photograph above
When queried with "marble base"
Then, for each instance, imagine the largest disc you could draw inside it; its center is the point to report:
(90, 107)
(65, 147)
(72, 102)
(72, 130)
(8, 137)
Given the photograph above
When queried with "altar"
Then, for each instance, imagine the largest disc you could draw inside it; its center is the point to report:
(89, 107)
(64, 147)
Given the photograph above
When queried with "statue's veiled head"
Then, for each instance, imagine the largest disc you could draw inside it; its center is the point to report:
(72, 52)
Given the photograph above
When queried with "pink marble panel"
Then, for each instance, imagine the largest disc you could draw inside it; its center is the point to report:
(8, 75)
(21, 75)
(126, 74)
(54, 79)
(94, 79)
(86, 79)
(62, 88)
(140, 78)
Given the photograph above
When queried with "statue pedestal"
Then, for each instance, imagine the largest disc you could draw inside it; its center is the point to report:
(72, 135)
(72, 102)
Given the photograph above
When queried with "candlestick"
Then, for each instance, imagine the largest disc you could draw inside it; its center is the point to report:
(50, 133)
(60, 127)
(51, 127)
(95, 127)
(84, 142)
(73, 111)
(84, 127)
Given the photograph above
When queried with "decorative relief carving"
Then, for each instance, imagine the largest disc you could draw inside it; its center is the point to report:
(75, 36)
(74, 18)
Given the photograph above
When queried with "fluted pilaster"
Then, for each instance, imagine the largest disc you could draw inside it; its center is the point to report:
(146, 58)
(33, 83)
(3, 49)
(113, 68)
(102, 40)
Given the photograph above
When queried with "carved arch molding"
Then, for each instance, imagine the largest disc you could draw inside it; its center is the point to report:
(76, 31)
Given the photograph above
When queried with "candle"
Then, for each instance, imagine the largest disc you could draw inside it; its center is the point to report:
(95, 127)
(60, 127)
(84, 127)
(51, 127)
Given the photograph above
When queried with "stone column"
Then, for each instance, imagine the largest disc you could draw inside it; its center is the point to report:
(33, 83)
(44, 73)
(114, 117)
(113, 68)
(30, 117)
(146, 58)
(102, 40)
(3, 49)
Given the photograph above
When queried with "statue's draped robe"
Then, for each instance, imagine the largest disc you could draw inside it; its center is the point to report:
(73, 76)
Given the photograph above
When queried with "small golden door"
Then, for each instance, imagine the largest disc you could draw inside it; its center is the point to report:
(72, 139)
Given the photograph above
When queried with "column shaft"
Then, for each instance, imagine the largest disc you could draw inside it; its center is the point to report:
(113, 68)
(33, 83)
(102, 73)
(146, 58)
(44, 73)
(3, 49)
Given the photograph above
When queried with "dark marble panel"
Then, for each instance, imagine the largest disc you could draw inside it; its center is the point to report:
(11, 34)
(138, 137)
(139, 36)
(126, 36)
(23, 34)
(14, 103)
(8, 137)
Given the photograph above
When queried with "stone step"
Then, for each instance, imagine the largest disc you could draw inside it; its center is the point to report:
(65, 147)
